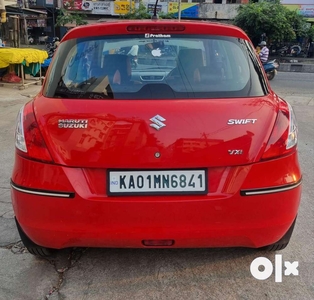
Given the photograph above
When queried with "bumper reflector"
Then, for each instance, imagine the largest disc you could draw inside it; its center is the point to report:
(154, 243)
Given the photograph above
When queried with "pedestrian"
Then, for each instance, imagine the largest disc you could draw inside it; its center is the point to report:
(264, 53)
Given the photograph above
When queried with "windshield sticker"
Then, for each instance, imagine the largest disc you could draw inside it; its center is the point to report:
(160, 35)
(156, 52)
(84, 53)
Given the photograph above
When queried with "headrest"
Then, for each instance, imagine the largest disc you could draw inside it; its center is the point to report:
(114, 62)
(189, 57)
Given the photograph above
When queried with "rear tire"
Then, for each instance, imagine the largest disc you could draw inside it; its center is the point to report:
(31, 246)
(283, 242)
(270, 75)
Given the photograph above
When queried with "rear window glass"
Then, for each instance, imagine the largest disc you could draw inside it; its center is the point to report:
(139, 67)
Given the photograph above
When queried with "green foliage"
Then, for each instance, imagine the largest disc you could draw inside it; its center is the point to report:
(137, 13)
(142, 13)
(162, 15)
(310, 33)
(65, 17)
(298, 23)
(273, 19)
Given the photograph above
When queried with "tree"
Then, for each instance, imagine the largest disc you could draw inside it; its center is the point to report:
(276, 21)
(310, 33)
(298, 23)
(65, 17)
(137, 13)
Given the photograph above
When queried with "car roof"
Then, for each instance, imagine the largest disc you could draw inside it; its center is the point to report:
(163, 26)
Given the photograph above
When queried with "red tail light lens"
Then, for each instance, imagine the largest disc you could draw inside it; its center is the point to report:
(155, 28)
(28, 139)
(284, 137)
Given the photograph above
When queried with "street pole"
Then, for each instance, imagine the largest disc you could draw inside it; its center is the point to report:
(25, 5)
(15, 31)
(179, 10)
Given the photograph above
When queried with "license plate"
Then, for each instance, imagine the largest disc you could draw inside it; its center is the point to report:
(157, 182)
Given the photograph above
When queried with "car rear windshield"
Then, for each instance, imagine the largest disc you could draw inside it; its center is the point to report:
(140, 67)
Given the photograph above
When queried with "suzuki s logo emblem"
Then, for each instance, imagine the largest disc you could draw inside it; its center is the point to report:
(157, 122)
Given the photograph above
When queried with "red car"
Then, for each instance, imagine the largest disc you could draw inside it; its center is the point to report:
(156, 134)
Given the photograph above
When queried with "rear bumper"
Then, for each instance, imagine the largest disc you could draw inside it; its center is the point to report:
(222, 218)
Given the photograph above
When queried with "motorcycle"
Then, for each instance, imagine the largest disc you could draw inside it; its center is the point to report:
(294, 51)
(31, 40)
(51, 46)
(271, 68)
(284, 51)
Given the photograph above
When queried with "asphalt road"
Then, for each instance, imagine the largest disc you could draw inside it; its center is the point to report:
(159, 274)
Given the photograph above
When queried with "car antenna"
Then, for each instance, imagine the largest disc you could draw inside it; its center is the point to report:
(154, 16)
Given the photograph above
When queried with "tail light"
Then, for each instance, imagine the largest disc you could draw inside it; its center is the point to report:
(284, 137)
(156, 28)
(28, 139)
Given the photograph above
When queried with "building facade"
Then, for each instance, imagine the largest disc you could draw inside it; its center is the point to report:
(191, 9)
(37, 17)
(304, 7)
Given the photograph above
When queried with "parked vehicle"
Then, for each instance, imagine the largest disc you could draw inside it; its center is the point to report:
(31, 40)
(52, 45)
(284, 51)
(294, 51)
(271, 68)
(192, 148)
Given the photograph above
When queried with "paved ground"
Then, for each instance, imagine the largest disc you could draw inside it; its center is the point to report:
(10, 92)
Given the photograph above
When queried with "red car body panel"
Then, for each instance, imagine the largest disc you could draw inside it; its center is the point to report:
(129, 141)
(65, 202)
(93, 219)
(162, 26)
